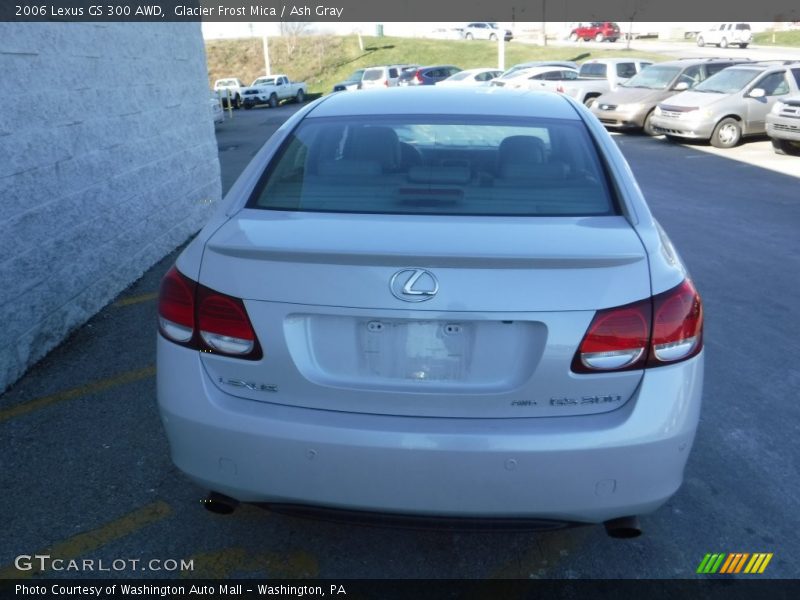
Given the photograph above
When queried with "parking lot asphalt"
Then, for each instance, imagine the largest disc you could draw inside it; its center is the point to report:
(87, 475)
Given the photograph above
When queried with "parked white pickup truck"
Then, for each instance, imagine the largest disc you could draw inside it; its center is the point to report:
(603, 75)
(271, 89)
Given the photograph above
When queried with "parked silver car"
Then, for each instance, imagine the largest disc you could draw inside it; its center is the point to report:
(434, 302)
(783, 123)
(631, 106)
(731, 104)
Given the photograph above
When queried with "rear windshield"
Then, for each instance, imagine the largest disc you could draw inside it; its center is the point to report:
(470, 165)
(593, 70)
(656, 77)
(373, 74)
(461, 75)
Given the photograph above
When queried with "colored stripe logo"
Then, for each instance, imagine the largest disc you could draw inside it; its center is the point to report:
(737, 562)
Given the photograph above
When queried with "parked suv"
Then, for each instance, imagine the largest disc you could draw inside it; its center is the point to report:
(429, 75)
(486, 31)
(631, 105)
(726, 34)
(599, 31)
(783, 123)
(385, 76)
(731, 104)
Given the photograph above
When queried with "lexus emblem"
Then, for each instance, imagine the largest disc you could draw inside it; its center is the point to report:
(414, 285)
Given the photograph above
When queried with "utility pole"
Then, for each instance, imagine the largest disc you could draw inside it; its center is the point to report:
(266, 52)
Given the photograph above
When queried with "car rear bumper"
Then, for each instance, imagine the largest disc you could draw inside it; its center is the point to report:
(583, 468)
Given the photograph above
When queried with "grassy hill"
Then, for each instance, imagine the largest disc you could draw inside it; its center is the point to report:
(782, 38)
(323, 60)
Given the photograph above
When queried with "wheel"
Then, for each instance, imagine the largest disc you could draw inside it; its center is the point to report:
(742, 46)
(599, 37)
(726, 134)
(300, 97)
(492, 37)
(468, 36)
(237, 101)
(723, 43)
(647, 126)
(700, 41)
(573, 37)
(786, 147)
(589, 102)
(612, 40)
(273, 101)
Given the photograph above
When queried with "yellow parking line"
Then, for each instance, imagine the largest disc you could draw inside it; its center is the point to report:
(88, 541)
(84, 390)
(136, 299)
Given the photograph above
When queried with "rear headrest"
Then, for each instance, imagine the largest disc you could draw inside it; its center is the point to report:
(374, 143)
(521, 149)
(348, 169)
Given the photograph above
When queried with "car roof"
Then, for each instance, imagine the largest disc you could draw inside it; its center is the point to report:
(433, 100)
(613, 61)
(537, 70)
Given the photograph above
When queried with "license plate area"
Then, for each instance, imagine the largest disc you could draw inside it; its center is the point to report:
(448, 355)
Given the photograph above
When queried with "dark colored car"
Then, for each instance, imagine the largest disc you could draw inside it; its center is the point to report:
(599, 31)
(353, 82)
(429, 75)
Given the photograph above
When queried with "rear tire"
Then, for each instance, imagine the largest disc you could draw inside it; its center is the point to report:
(468, 36)
(742, 46)
(300, 97)
(492, 37)
(599, 37)
(273, 101)
(727, 133)
(723, 43)
(237, 101)
(786, 147)
(573, 37)
(701, 42)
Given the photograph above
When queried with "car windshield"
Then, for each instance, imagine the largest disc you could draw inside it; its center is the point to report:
(653, 78)
(264, 81)
(356, 75)
(727, 81)
(447, 165)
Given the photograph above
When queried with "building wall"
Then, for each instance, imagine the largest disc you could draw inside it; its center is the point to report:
(108, 162)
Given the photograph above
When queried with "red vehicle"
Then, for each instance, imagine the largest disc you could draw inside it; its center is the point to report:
(599, 31)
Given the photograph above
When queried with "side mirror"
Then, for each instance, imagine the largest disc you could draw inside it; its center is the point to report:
(680, 86)
(757, 93)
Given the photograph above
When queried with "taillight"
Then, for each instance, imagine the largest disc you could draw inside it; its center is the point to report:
(616, 340)
(677, 325)
(176, 306)
(661, 330)
(386, 83)
(560, 88)
(418, 77)
(200, 318)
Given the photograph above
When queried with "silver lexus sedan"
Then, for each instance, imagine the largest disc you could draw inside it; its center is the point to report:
(434, 303)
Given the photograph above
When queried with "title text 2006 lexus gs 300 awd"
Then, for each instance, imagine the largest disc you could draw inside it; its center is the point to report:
(436, 303)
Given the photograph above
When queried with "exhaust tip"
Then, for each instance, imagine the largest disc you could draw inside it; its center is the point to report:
(623, 528)
(219, 503)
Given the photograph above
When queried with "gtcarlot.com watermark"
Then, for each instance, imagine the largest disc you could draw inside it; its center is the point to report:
(45, 562)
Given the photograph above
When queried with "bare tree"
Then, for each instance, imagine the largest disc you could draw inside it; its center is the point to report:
(290, 32)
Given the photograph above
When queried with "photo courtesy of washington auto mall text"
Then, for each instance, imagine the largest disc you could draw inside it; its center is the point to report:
(170, 590)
